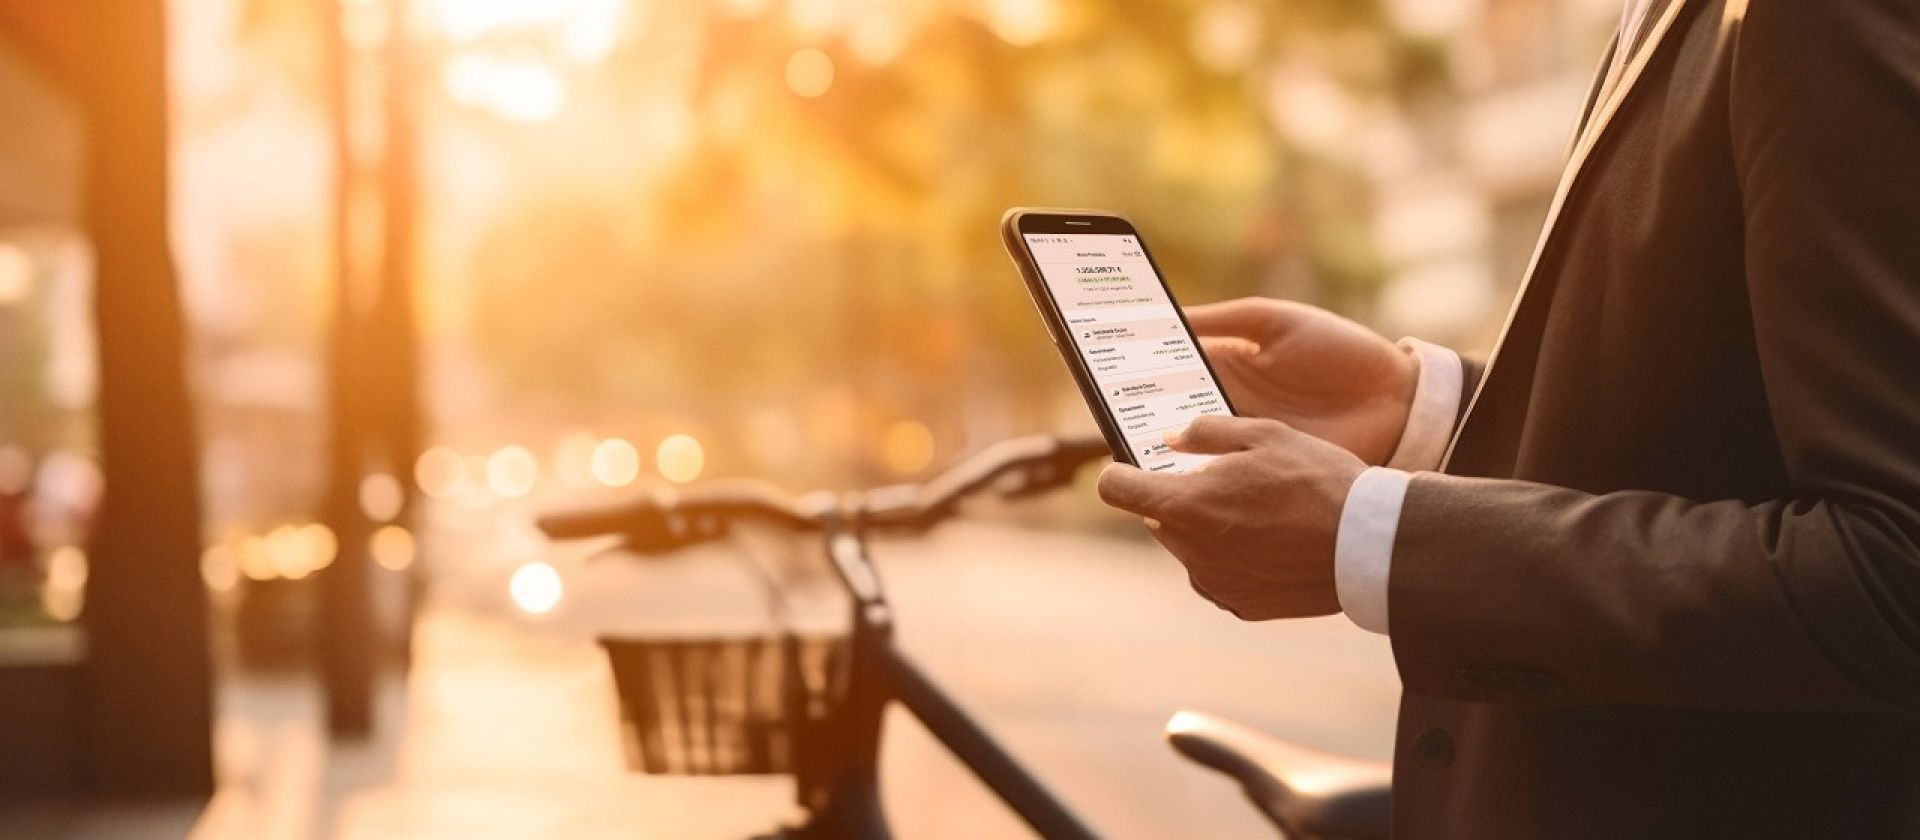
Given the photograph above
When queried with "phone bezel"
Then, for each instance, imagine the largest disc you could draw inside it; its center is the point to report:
(1020, 221)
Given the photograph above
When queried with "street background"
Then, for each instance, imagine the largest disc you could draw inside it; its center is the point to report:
(413, 272)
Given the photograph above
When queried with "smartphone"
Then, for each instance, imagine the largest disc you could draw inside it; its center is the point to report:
(1109, 311)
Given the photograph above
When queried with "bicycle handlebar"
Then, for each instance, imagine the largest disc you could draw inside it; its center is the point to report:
(666, 520)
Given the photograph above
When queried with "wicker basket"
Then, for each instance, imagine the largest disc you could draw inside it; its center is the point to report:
(723, 706)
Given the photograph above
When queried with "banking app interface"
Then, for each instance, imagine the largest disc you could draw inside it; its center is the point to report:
(1123, 324)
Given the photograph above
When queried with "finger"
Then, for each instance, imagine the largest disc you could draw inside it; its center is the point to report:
(1227, 348)
(1137, 491)
(1251, 318)
(1216, 434)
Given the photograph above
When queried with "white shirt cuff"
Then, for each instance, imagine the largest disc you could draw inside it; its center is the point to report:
(1363, 547)
(1436, 405)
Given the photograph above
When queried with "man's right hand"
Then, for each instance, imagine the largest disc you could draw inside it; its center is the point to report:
(1311, 369)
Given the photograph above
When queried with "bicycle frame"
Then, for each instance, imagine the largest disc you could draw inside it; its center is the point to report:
(843, 797)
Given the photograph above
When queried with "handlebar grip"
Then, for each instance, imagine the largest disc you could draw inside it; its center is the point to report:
(1022, 466)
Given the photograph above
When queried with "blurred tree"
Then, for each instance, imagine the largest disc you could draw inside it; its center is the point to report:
(814, 203)
(374, 410)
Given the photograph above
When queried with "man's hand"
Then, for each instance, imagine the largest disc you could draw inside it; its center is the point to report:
(1254, 527)
(1311, 369)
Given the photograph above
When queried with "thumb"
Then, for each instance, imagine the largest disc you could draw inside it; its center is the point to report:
(1251, 318)
(1219, 434)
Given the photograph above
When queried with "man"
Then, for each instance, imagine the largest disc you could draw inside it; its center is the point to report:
(1654, 568)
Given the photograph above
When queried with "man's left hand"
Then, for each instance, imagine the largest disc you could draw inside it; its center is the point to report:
(1255, 527)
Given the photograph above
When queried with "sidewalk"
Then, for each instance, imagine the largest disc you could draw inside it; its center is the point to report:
(1074, 650)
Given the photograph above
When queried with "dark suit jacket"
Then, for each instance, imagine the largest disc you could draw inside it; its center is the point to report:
(1669, 584)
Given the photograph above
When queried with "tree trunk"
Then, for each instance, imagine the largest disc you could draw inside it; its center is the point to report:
(149, 691)
(343, 625)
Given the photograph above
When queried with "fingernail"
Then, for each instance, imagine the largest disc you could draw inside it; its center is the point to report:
(1152, 523)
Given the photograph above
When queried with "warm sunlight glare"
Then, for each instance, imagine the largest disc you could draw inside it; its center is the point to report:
(525, 90)
(591, 30)
(680, 458)
(536, 588)
(748, 8)
(466, 20)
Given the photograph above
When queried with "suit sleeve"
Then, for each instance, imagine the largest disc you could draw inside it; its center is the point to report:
(1508, 591)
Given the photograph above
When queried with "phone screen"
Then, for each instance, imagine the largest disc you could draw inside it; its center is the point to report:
(1137, 349)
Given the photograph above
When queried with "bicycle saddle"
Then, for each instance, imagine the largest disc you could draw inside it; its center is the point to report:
(1306, 793)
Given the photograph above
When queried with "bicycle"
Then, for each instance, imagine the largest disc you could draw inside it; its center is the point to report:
(811, 706)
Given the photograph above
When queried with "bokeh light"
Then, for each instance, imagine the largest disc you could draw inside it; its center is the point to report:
(63, 593)
(256, 561)
(512, 471)
(287, 553)
(907, 446)
(536, 588)
(1225, 36)
(680, 458)
(616, 462)
(381, 496)
(67, 568)
(809, 72)
(439, 472)
(1023, 22)
(319, 545)
(218, 568)
(392, 548)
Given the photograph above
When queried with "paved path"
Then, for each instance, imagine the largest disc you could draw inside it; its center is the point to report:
(1073, 648)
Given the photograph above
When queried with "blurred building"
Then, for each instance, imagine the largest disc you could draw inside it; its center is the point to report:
(48, 482)
(1459, 234)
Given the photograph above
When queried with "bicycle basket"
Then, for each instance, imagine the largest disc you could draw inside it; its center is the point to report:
(722, 706)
